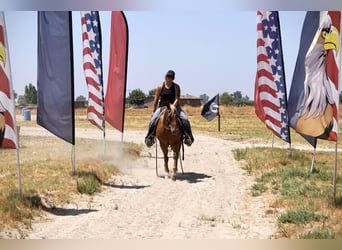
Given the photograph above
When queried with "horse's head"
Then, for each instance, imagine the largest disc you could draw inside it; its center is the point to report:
(171, 119)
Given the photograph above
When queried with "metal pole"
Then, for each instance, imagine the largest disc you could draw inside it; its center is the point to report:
(313, 160)
(335, 172)
(338, 104)
(73, 159)
(290, 148)
(218, 113)
(272, 140)
(18, 159)
(156, 157)
(14, 113)
(104, 143)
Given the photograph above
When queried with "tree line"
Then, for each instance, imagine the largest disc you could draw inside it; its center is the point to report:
(136, 97)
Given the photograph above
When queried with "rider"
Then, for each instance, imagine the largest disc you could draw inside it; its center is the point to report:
(168, 92)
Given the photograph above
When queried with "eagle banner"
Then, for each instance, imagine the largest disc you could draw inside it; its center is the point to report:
(270, 100)
(8, 135)
(314, 98)
(117, 72)
(211, 109)
(92, 65)
(55, 80)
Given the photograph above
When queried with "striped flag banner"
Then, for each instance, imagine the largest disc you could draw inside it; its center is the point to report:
(92, 65)
(270, 101)
(8, 135)
(314, 98)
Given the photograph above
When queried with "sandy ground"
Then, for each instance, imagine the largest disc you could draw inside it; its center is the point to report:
(211, 200)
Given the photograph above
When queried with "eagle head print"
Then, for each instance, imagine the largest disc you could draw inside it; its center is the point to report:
(316, 111)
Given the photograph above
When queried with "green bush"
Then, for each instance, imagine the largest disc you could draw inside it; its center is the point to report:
(88, 184)
(318, 234)
(301, 216)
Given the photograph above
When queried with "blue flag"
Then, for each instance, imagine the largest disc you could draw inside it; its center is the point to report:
(55, 110)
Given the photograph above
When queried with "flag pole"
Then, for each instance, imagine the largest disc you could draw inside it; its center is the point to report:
(73, 159)
(338, 105)
(104, 124)
(125, 81)
(104, 142)
(290, 148)
(335, 173)
(17, 147)
(14, 118)
(17, 138)
(272, 140)
(72, 91)
(313, 160)
(18, 160)
(102, 93)
(218, 114)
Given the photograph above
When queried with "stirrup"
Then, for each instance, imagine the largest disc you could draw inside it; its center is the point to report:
(188, 141)
(149, 141)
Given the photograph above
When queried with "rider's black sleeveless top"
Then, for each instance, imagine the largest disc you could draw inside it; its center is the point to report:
(167, 95)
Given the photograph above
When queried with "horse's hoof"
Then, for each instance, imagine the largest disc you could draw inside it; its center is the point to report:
(166, 176)
(173, 177)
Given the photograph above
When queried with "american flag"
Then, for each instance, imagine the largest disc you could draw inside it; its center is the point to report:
(8, 138)
(92, 65)
(270, 99)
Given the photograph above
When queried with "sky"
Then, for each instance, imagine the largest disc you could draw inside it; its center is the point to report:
(210, 51)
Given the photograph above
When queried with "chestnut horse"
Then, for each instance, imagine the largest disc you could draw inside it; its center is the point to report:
(169, 133)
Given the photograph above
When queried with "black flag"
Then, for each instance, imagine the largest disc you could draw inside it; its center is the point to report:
(211, 109)
(55, 110)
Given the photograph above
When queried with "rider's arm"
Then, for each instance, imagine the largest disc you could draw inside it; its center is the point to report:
(156, 98)
(177, 95)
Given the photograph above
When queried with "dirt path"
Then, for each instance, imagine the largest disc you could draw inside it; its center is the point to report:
(210, 201)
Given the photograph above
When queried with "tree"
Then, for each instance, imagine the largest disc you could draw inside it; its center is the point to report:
(21, 100)
(152, 92)
(136, 97)
(204, 98)
(226, 99)
(81, 98)
(15, 95)
(237, 98)
(30, 94)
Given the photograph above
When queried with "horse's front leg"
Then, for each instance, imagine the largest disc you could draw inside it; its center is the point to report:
(166, 159)
(176, 150)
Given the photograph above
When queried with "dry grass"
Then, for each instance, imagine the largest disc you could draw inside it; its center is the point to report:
(47, 173)
(47, 177)
(304, 200)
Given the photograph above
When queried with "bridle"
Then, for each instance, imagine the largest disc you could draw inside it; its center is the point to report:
(171, 116)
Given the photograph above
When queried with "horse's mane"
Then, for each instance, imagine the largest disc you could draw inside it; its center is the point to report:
(169, 110)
